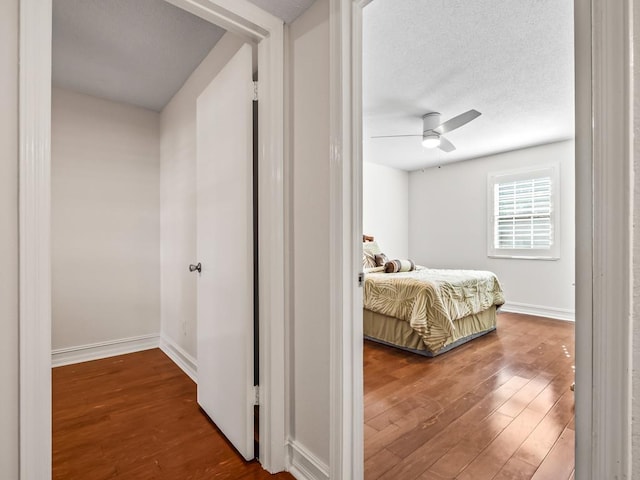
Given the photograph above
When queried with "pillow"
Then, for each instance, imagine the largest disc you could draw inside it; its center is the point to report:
(369, 251)
(381, 259)
(395, 266)
(368, 259)
(371, 247)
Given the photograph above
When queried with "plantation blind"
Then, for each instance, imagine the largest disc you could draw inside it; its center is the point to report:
(523, 214)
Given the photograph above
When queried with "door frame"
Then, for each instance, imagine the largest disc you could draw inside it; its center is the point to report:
(604, 186)
(255, 26)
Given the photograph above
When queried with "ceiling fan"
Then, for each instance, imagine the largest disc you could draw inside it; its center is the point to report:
(432, 129)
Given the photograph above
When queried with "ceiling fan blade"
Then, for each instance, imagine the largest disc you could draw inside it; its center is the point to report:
(457, 122)
(393, 136)
(446, 145)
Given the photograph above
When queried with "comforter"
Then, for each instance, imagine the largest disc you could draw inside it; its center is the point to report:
(427, 298)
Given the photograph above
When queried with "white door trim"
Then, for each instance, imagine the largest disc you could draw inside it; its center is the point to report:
(345, 233)
(603, 401)
(603, 232)
(35, 243)
(255, 25)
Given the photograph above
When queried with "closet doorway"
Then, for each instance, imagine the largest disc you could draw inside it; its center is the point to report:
(254, 26)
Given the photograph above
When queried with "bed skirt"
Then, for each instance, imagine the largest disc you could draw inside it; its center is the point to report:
(398, 333)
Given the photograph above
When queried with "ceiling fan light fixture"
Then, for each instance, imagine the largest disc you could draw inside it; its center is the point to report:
(432, 129)
(430, 140)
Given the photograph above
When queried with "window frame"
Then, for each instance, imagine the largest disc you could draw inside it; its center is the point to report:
(528, 173)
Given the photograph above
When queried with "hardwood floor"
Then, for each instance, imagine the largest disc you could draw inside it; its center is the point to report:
(136, 417)
(499, 407)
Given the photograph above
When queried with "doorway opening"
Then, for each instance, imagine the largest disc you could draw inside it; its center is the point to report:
(470, 206)
(254, 26)
(603, 40)
(134, 117)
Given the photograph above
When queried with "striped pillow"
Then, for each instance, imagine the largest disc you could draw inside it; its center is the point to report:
(395, 266)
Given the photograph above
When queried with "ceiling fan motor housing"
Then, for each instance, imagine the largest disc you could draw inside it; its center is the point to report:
(430, 121)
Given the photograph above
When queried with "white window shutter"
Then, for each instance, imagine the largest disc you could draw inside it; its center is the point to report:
(523, 215)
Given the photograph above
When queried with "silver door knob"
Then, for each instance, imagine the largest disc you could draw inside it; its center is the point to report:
(194, 268)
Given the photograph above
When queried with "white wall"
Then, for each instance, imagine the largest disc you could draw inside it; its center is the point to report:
(178, 200)
(448, 226)
(385, 208)
(308, 146)
(9, 238)
(105, 220)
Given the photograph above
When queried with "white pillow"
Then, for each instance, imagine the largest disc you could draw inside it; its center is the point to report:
(369, 251)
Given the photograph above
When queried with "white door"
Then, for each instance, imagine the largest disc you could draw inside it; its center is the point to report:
(225, 250)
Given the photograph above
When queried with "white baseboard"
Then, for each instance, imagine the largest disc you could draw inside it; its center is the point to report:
(96, 351)
(540, 311)
(304, 465)
(180, 357)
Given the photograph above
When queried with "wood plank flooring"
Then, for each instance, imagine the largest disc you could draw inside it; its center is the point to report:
(136, 417)
(499, 407)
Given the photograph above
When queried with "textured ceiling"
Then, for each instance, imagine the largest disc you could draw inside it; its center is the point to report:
(138, 52)
(510, 60)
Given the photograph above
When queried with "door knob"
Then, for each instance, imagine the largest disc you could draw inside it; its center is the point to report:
(198, 268)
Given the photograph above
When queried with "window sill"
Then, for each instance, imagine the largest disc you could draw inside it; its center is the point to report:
(524, 257)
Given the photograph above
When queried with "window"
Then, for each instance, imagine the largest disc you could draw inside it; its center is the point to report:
(524, 214)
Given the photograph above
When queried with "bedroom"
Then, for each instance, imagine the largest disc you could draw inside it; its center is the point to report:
(434, 207)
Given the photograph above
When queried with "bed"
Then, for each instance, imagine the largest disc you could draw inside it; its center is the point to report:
(427, 311)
